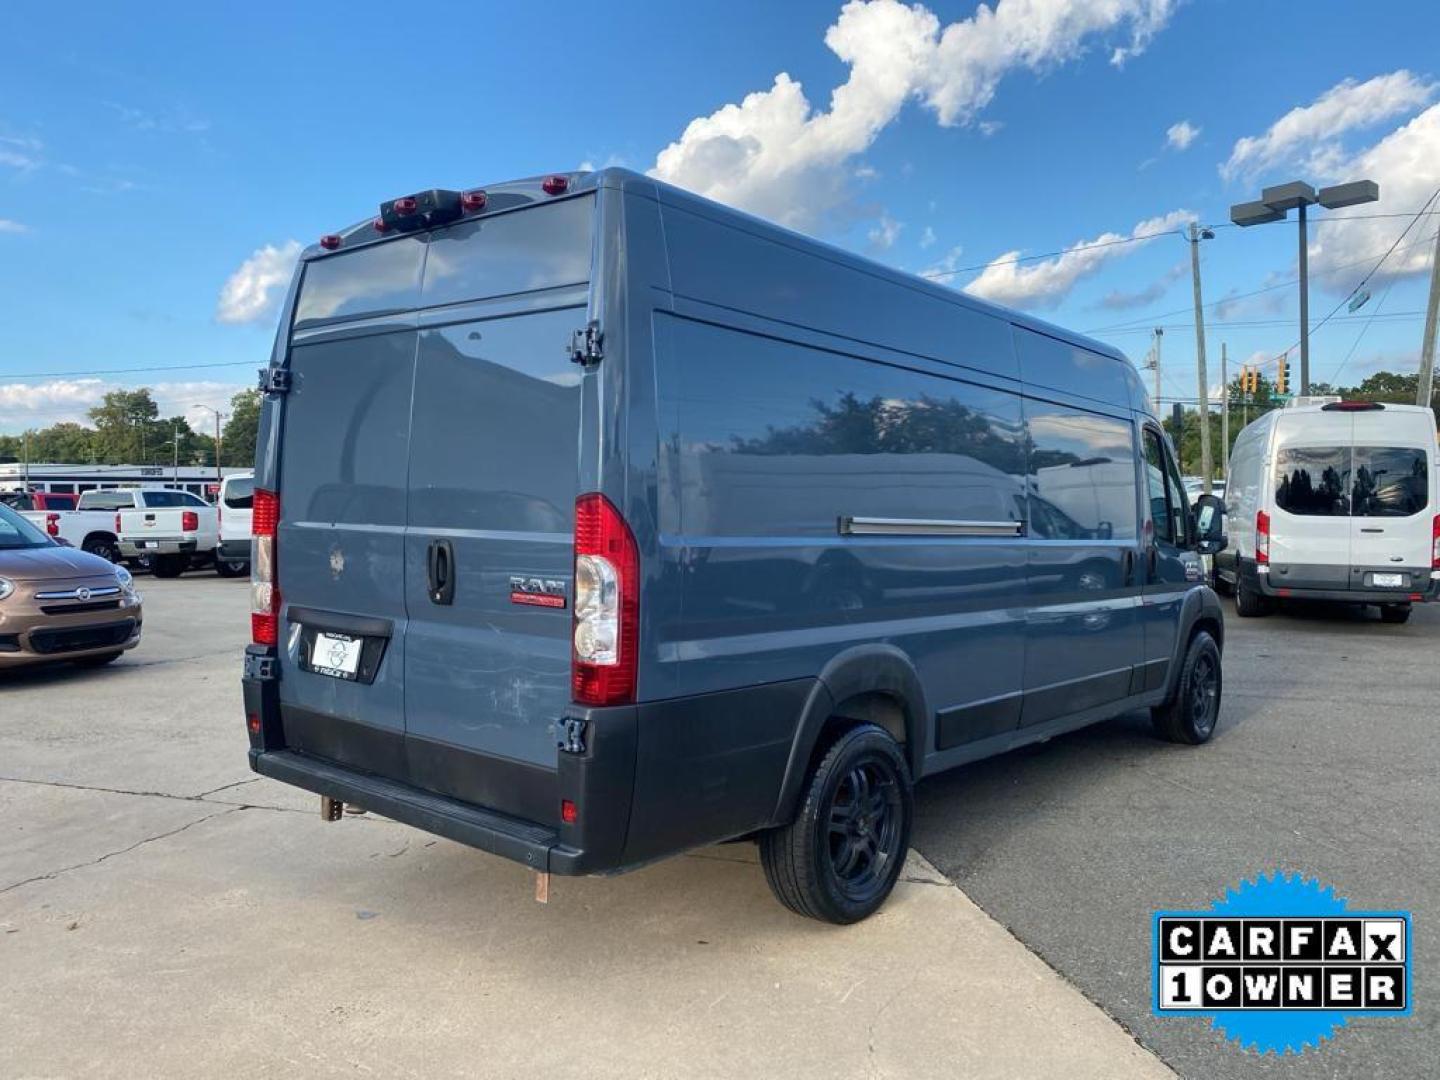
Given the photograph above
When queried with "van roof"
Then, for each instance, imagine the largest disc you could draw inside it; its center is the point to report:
(517, 194)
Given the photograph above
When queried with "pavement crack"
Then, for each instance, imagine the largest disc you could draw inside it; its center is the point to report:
(121, 851)
(227, 787)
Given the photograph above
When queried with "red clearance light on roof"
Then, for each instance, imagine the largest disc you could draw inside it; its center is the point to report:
(471, 201)
(555, 185)
(406, 205)
(1351, 406)
(380, 225)
(330, 241)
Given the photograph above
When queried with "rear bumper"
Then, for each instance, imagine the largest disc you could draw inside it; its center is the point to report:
(648, 780)
(1422, 587)
(235, 550)
(137, 549)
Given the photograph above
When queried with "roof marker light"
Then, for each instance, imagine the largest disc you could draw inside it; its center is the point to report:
(330, 241)
(407, 205)
(555, 185)
(472, 201)
(380, 225)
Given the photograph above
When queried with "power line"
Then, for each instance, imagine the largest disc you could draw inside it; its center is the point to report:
(1389, 316)
(125, 371)
(1358, 337)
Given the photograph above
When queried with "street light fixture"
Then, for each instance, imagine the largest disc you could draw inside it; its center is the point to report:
(1273, 205)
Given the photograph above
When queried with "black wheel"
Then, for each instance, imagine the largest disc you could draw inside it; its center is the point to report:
(97, 661)
(1190, 715)
(228, 569)
(104, 546)
(169, 566)
(1394, 613)
(1248, 602)
(841, 856)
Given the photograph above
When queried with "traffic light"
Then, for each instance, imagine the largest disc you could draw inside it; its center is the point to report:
(1282, 377)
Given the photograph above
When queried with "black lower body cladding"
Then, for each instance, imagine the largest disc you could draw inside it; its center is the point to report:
(652, 779)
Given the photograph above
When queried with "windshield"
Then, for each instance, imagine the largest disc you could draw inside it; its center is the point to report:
(16, 532)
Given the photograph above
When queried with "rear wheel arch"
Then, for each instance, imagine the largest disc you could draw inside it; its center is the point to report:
(867, 684)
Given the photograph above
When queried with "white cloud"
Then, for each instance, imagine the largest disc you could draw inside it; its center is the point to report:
(776, 155)
(1044, 283)
(1309, 134)
(34, 405)
(8, 226)
(250, 293)
(947, 265)
(990, 127)
(1121, 300)
(1181, 135)
(1406, 165)
(18, 153)
(885, 233)
(927, 238)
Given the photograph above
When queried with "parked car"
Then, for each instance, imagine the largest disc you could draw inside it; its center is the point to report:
(57, 603)
(1335, 501)
(37, 500)
(236, 498)
(701, 573)
(175, 530)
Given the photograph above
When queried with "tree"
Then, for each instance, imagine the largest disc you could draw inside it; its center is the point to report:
(129, 429)
(241, 430)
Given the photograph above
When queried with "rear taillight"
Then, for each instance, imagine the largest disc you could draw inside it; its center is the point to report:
(189, 521)
(607, 605)
(1262, 538)
(52, 524)
(1435, 543)
(117, 522)
(264, 592)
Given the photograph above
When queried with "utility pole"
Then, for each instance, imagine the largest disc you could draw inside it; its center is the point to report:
(1159, 334)
(1304, 304)
(1427, 345)
(1225, 416)
(175, 468)
(26, 469)
(1207, 465)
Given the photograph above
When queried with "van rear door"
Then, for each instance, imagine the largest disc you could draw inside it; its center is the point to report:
(1391, 481)
(1310, 528)
(341, 539)
(492, 481)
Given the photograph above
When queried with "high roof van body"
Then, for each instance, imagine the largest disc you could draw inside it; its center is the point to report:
(595, 521)
(1335, 501)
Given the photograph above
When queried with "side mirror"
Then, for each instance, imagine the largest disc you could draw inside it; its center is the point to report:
(1210, 525)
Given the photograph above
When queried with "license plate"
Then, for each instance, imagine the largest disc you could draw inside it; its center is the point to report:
(336, 655)
(1393, 581)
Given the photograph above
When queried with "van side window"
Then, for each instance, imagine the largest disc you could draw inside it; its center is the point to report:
(1082, 474)
(1168, 506)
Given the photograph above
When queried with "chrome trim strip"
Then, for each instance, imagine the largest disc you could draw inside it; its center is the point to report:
(99, 593)
(871, 526)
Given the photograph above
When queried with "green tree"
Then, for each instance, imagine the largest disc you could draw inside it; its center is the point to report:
(129, 429)
(65, 443)
(241, 430)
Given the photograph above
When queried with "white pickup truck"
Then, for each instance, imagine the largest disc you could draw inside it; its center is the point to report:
(91, 525)
(173, 529)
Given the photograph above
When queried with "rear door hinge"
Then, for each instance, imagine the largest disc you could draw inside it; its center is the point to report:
(571, 735)
(585, 344)
(274, 380)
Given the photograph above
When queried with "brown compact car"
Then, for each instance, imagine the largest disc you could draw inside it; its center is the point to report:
(59, 603)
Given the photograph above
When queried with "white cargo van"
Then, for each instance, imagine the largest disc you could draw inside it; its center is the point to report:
(237, 497)
(1334, 501)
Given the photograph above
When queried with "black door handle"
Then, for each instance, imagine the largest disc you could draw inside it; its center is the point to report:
(440, 571)
(1152, 559)
(1127, 566)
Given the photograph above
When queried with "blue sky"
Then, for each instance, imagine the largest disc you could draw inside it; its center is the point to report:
(159, 165)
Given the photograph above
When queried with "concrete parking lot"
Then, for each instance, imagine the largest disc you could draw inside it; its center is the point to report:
(163, 912)
(1324, 762)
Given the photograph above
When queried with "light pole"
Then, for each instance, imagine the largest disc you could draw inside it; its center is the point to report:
(1273, 205)
(219, 416)
(1207, 464)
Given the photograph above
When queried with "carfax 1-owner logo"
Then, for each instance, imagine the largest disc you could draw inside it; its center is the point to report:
(1280, 963)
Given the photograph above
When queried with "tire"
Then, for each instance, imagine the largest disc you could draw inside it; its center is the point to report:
(1394, 613)
(1248, 603)
(97, 661)
(227, 569)
(169, 566)
(104, 546)
(840, 858)
(1191, 713)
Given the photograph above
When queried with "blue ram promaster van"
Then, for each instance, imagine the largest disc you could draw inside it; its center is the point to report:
(595, 521)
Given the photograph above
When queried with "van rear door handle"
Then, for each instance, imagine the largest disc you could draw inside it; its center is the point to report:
(1127, 566)
(440, 571)
(1152, 559)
